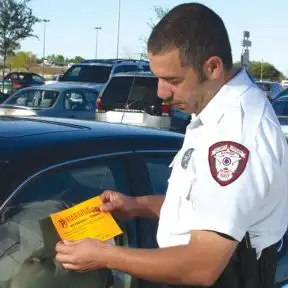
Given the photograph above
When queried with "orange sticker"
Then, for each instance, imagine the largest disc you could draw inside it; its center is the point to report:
(84, 220)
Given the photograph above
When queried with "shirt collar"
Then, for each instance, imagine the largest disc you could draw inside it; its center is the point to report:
(222, 100)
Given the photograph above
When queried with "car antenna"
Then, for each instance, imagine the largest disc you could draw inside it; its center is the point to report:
(131, 88)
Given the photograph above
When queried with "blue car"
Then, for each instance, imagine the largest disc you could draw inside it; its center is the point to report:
(50, 164)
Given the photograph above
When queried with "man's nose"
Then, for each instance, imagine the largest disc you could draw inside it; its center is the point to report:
(164, 91)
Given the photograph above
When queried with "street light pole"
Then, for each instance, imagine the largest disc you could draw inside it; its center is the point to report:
(44, 43)
(96, 44)
(118, 28)
(261, 70)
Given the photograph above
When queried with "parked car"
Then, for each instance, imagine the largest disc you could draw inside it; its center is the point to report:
(54, 79)
(280, 104)
(47, 165)
(21, 80)
(6, 87)
(271, 88)
(100, 70)
(53, 100)
(131, 98)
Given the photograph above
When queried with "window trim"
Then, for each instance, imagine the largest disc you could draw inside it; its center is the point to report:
(47, 169)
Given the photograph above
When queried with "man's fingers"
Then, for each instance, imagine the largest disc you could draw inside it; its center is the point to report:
(106, 196)
(110, 206)
(64, 258)
(69, 266)
(62, 247)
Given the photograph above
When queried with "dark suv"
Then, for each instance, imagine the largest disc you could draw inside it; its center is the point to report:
(100, 70)
(131, 98)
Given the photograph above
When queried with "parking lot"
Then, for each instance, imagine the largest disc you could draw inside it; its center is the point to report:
(73, 126)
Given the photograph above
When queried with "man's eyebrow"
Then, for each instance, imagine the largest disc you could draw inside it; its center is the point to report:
(169, 78)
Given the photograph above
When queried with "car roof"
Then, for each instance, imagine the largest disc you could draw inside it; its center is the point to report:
(54, 139)
(81, 64)
(136, 74)
(116, 61)
(266, 82)
(59, 86)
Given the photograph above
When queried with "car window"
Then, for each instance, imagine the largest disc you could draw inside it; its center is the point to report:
(146, 68)
(37, 78)
(27, 236)
(93, 73)
(72, 74)
(264, 86)
(91, 97)
(118, 69)
(159, 171)
(130, 68)
(34, 98)
(76, 101)
(144, 90)
(281, 107)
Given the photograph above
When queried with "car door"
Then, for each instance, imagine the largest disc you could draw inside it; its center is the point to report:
(154, 171)
(28, 238)
(76, 105)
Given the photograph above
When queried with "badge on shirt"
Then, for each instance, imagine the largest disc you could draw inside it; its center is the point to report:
(186, 158)
(227, 161)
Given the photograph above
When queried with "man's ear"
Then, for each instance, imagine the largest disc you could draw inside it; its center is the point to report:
(213, 68)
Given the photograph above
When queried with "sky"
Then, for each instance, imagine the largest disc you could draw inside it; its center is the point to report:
(71, 32)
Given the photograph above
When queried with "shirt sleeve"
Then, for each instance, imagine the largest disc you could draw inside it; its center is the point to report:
(231, 184)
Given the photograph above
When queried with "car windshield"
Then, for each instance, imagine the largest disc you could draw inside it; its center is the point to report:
(117, 91)
(34, 98)
(93, 73)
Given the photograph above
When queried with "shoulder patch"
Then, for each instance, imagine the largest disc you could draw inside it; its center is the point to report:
(227, 161)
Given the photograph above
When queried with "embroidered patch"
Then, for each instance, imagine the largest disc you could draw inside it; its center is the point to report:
(186, 158)
(227, 161)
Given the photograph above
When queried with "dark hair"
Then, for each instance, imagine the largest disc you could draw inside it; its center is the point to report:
(196, 31)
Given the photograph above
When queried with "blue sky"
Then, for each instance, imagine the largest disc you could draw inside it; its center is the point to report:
(71, 28)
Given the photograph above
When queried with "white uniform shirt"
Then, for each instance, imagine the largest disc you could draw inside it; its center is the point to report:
(231, 175)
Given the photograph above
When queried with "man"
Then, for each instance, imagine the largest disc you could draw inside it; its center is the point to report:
(229, 178)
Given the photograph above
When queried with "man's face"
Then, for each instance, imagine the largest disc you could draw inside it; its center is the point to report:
(179, 83)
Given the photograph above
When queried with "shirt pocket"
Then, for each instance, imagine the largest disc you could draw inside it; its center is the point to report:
(181, 186)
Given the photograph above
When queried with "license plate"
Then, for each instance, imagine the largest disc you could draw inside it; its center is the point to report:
(133, 118)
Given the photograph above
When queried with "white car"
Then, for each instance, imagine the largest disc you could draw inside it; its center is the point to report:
(55, 79)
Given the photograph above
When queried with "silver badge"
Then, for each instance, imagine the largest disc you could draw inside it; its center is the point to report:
(186, 158)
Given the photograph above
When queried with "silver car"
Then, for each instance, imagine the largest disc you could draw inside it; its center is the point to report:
(53, 100)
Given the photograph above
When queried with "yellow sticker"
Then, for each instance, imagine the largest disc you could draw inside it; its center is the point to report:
(84, 220)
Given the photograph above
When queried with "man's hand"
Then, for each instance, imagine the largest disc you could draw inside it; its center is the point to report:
(84, 255)
(201, 262)
(125, 207)
(121, 206)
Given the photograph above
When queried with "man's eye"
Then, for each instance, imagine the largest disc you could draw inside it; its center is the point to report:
(175, 82)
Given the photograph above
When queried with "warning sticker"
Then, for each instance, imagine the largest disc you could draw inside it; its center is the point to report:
(84, 220)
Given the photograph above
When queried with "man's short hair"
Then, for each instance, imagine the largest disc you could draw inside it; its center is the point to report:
(196, 31)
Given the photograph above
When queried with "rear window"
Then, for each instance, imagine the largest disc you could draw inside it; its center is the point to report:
(264, 86)
(34, 98)
(144, 90)
(95, 74)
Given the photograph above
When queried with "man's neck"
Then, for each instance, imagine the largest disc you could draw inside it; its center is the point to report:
(216, 86)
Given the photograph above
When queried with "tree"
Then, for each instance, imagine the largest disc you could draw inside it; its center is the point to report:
(160, 12)
(263, 70)
(59, 60)
(76, 59)
(16, 24)
(23, 60)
